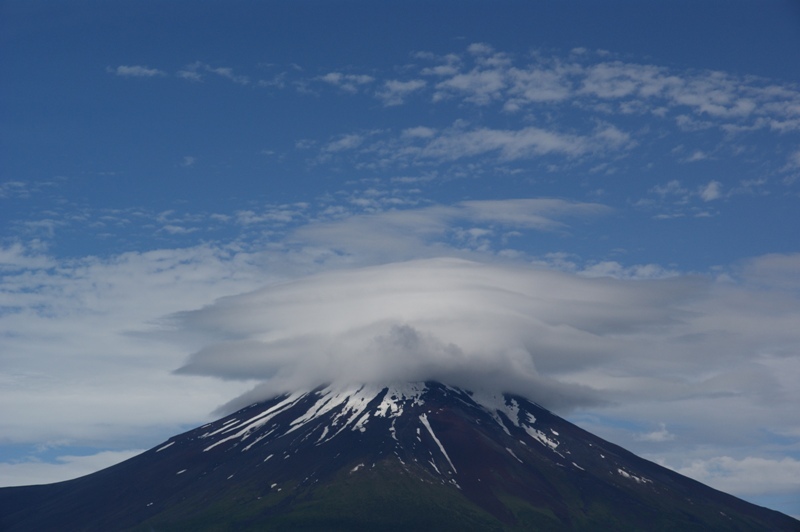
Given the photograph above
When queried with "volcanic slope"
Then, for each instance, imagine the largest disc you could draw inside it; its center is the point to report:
(418, 456)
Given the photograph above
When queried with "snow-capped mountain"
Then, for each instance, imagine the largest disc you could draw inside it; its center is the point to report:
(418, 456)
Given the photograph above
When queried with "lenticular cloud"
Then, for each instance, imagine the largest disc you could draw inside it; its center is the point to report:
(466, 323)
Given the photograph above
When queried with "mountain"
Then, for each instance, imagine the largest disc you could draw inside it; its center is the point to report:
(422, 456)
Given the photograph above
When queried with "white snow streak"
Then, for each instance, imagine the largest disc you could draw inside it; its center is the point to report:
(260, 419)
(164, 447)
(514, 455)
(424, 419)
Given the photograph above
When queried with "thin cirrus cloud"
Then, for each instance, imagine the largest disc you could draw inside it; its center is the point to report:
(522, 143)
(425, 145)
(429, 231)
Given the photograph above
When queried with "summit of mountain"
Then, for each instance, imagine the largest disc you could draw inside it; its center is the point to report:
(402, 456)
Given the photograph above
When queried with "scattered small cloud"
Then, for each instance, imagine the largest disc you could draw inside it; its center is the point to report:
(697, 155)
(616, 270)
(350, 83)
(711, 191)
(344, 143)
(394, 92)
(195, 72)
(189, 75)
(136, 71)
(792, 162)
(675, 200)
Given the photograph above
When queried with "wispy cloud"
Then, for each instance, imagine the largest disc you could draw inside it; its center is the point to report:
(196, 72)
(394, 92)
(344, 143)
(136, 71)
(674, 199)
(422, 145)
(350, 83)
(711, 191)
(395, 234)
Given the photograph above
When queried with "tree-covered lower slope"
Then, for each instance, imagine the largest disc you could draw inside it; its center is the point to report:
(401, 457)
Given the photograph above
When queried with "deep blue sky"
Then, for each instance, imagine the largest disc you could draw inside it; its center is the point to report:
(157, 156)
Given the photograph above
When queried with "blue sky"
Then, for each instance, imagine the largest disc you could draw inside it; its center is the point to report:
(633, 167)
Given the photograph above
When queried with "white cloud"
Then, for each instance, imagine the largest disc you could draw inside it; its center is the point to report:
(344, 143)
(711, 191)
(775, 270)
(480, 86)
(696, 100)
(419, 132)
(194, 72)
(14, 188)
(396, 235)
(394, 92)
(675, 200)
(564, 339)
(189, 75)
(18, 257)
(350, 83)
(793, 161)
(534, 213)
(511, 144)
(136, 71)
(422, 145)
(697, 155)
(416, 320)
(617, 271)
(227, 72)
(537, 85)
(58, 318)
(73, 352)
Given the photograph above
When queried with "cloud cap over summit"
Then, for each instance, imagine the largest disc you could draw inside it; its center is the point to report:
(564, 339)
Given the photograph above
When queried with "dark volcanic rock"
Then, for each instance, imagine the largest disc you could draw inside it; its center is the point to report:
(400, 457)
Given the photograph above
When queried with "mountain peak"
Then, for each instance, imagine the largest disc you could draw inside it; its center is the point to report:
(405, 455)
